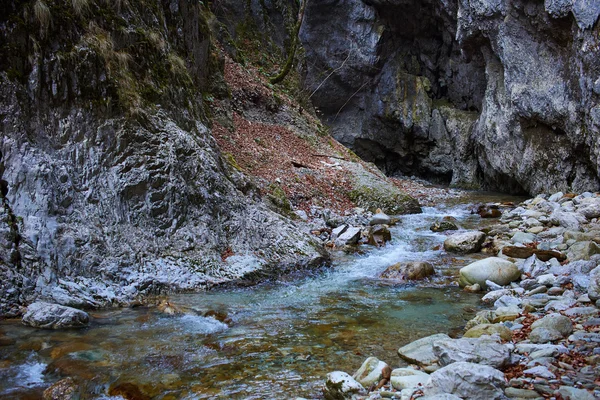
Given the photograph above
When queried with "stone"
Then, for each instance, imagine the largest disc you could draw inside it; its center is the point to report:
(468, 381)
(339, 386)
(594, 285)
(571, 393)
(379, 235)
(370, 372)
(54, 316)
(349, 237)
(464, 243)
(336, 232)
(533, 266)
(443, 226)
(420, 351)
(582, 250)
(416, 270)
(489, 329)
(380, 219)
(474, 350)
(556, 196)
(474, 288)
(406, 378)
(555, 321)
(503, 314)
(495, 269)
(544, 335)
(523, 238)
(65, 389)
(507, 301)
(516, 393)
(541, 371)
(546, 280)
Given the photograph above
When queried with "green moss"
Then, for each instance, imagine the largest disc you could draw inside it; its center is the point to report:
(232, 161)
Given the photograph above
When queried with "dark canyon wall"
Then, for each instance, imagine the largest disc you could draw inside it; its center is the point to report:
(496, 94)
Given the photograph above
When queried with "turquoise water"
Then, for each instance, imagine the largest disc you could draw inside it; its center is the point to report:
(273, 341)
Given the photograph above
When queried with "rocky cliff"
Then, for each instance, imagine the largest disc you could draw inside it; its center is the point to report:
(500, 94)
(127, 164)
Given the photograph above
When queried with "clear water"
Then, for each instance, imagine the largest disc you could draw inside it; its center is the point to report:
(278, 340)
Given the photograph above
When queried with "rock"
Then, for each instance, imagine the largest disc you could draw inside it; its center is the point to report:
(582, 251)
(489, 211)
(503, 314)
(475, 288)
(489, 329)
(474, 350)
(555, 321)
(591, 211)
(507, 301)
(443, 226)
(54, 316)
(534, 267)
(415, 270)
(495, 269)
(571, 393)
(380, 219)
(544, 335)
(556, 197)
(420, 351)
(65, 389)
(468, 381)
(523, 238)
(464, 243)
(546, 280)
(370, 372)
(336, 232)
(339, 386)
(379, 235)
(494, 295)
(541, 371)
(127, 390)
(405, 378)
(594, 286)
(350, 237)
(526, 252)
(515, 393)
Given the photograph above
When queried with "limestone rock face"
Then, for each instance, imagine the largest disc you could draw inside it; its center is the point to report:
(518, 111)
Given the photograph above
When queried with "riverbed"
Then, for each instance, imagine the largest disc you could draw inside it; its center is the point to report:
(272, 341)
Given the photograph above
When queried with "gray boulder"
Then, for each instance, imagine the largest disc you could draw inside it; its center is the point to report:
(495, 269)
(370, 372)
(468, 381)
(464, 243)
(380, 219)
(555, 321)
(406, 378)
(594, 286)
(350, 236)
(474, 350)
(544, 335)
(54, 316)
(339, 386)
(416, 270)
(582, 250)
(420, 351)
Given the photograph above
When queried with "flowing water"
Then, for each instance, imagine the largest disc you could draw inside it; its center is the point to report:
(274, 341)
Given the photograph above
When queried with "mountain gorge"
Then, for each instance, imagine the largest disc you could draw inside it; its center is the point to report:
(144, 149)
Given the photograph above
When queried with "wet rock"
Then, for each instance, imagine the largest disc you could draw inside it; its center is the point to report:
(65, 389)
(379, 235)
(474, 288)
(526, 252)
(555, 321)
(405, 378)
(380, 219)
(128, 391)
(420, 351)
(495, 269)
(489, 329)
(468, 381)
(339, 386)
(489, 211)
(416, 270)
(474, 350)
(370, 372)
(464, 243)
(53, 316)
(443, 226)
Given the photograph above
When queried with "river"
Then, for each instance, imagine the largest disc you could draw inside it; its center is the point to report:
(272, 341)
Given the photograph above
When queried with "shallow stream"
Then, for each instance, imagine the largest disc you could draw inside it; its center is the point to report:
(277, 340)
